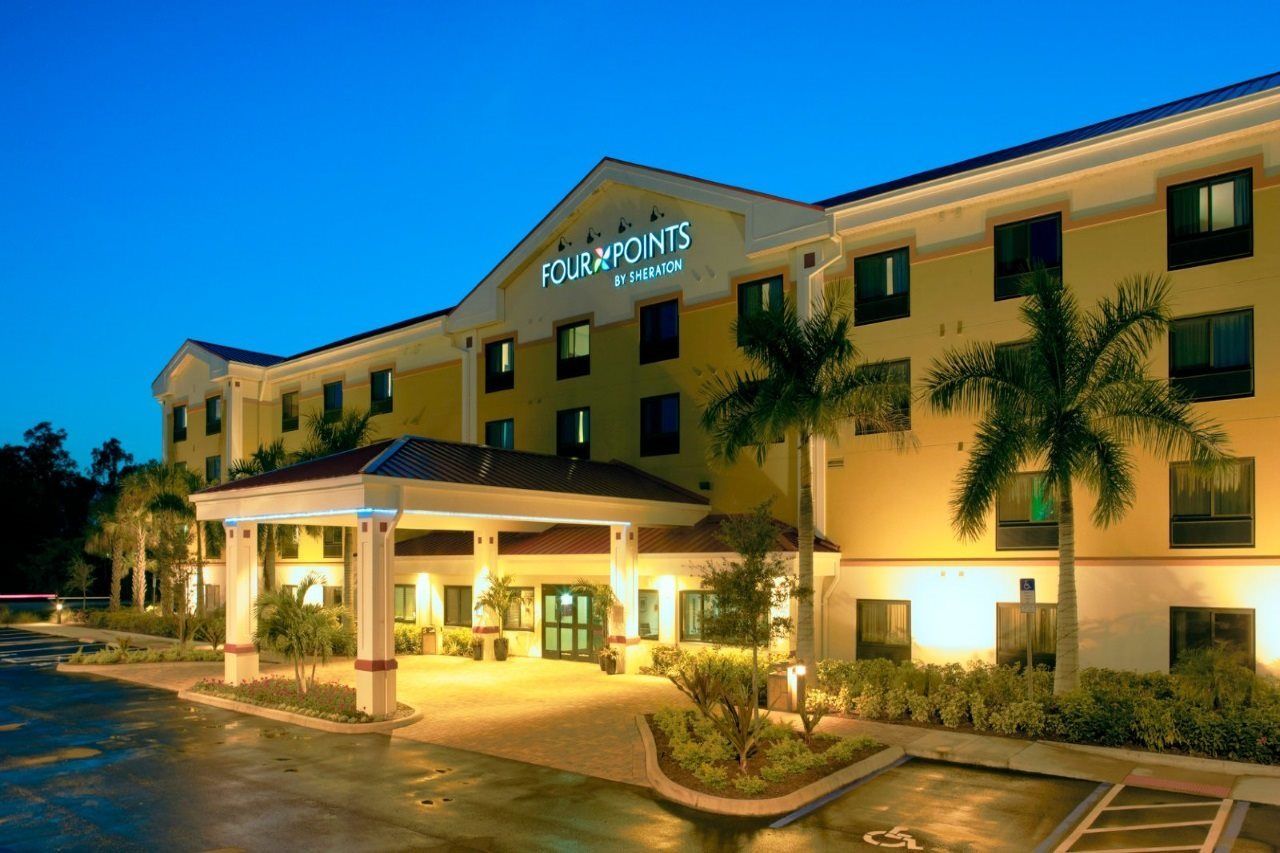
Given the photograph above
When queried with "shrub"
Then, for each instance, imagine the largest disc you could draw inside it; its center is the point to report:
(1154, 726)
(323, 699)
(953, 706)
(870, 703)
(845, 748)
(457, 642)
(895, 703)
(408, 640)
(212, 628)
(920, 707)
(1215, 679)
(18, 617)
(663, 660)
(1020, 718)
(1085, 717)
(750, 785)
(712, 775)
(124, 655)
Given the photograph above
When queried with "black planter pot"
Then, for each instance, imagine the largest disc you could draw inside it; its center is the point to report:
(611, 665)
(477, 650)
(604, 666)
(500, 648)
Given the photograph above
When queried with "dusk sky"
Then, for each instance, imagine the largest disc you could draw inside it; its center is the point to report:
(276, 176)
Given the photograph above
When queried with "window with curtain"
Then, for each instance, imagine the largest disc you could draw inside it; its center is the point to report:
(573, 350)
(573, 433)
(660, 425)
(213, 416)
(1211, 356)
(380, 392)
(331, 541)
(1230, 629)
(1011, 635)
(457, 606)
(1022, 246)
(405, 601)
(1026, 514)
(289, 411)
(884, 629)
(694, 606)
(287, 538)
(757, 296)
(213, 469)
(499, 365)
(1210, 220)
(1208, 513)
(501, 434)
(648, 614)
(881, 287)
(332, 401)
(519, 616)
(660, 331)
(894, 371)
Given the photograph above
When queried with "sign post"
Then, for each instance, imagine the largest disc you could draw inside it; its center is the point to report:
(1027, 604)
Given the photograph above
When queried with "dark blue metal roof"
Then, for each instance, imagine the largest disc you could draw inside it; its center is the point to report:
(244, 356)
(1058, 140)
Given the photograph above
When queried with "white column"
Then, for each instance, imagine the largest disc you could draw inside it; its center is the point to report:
(810, 287)
(624, 577)
(240, 655)
(484, 566)
(375, 626)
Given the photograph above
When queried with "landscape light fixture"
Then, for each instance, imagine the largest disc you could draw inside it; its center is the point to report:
(592, 234)
(655, 214)
(623, 225)
(564, 242)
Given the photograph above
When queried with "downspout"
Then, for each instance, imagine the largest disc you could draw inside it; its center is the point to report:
(826, 619)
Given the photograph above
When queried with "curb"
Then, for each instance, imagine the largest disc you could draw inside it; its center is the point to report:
(799, 798)
(380, 727)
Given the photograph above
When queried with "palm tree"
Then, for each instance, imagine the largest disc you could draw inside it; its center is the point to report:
(498, 597)
(805, 378)
(304, 633)
(266, 458)
(109, 536)
(1071, 399)
(153, 497)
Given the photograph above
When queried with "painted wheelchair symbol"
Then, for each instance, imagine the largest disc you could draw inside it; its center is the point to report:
(896, 837)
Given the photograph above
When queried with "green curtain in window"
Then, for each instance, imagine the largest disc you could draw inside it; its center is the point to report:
(1185, 210)
(1236, 498)
(885, 623)
(1243, 200)
(1190, 341)
(1232, 340)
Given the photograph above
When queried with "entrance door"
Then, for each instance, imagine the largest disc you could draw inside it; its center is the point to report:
(566, 625)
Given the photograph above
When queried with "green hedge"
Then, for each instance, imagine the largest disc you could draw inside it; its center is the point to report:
(1211, 706)
(456, 642)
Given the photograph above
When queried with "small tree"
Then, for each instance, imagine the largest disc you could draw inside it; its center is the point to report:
(304, 633)
(498, 597)
(79, 578)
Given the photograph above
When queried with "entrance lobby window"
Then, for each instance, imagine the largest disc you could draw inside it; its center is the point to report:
(573, 350)
(500, 365)
(1211, 356)
(500, 434)
(1011, 635)
(519, 616)
(573, 433)
(332, 401)
(660, 425)
(380, 392)
(1022, 246)
(406, 603)
(884, 629)
(648, 612)
(332, 538)
(660, 331)
(1192, 628)
(1211, 220)
(882, 287)
(694, 606)
(1026, 517)
(457, 606)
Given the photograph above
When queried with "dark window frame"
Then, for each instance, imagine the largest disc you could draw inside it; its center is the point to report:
(213, 415)
(532, 610)
(1006, 285)
(567, 448)
(881, 309)
(777, 291)
(331, 543)
(659, 443)
(657, 347)
(328, 412)
(497, 423)
(379, 405)
(885, 651)
(1189, 521)
(1212, 246)
(1019, 656)
(704, 596)
(499, 380)
(413, 596)
(465, 618)
(571, 367)
(214, 462)
(295, 543)
(290, 422)
(1025, 535)
(178, 433)
(654, 634)
(1190, 380)
(1251, 612)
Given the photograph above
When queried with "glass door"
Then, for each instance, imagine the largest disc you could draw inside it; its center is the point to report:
(566, 625)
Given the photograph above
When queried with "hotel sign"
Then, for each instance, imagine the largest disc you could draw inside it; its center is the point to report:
(632, 261)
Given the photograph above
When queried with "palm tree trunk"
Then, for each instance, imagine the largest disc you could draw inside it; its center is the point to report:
(348, 573)
(1067, 669)
(140, 570)
(200, 567)
(117, 573)
(164, 576)
(804, 528)
(269, 558)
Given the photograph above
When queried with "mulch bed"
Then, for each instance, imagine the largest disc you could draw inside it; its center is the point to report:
(680, 776)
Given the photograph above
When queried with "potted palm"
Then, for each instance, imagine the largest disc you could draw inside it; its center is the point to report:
(602, 603)
(498, 598)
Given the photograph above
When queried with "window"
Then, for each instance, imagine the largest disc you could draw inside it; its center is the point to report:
(884, 629)
(660, 425)
(1026, 516)
(287, 542)
(332, 401)
(573, 433)
(1193, 628)
(660, 331)
(501, 434)
(289, 411)
(648, 613)
(457, 606)
(213, 469)
(694, 605)
(212, 596)
(213, 416)
(573, 350)
(405, 601)
(1211, 220)
(500, 365)
(1204, 514)
(333, 596)
(331, 539)
(519, 616)
(1211, 357)
(1021, 246)
(1011, 635)
(179, 423)
(380, 392)
(881, 287)
(757, 296)
(896, 372)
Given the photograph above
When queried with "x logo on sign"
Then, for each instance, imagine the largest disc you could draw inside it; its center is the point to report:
(602, 260)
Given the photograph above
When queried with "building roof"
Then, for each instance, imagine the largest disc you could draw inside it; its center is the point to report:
(434, 460)
(1058, 140)
(244, 356)
(579, 539)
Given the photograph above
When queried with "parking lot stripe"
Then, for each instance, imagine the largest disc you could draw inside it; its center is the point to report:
(1127, 828)
(1232, 829)
(1070, 820)
(1196, 805)
(1219, 822)
(1089, 819)
(839, 792)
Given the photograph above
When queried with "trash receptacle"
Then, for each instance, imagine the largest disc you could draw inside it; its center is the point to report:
(779, 692)
(429, 640)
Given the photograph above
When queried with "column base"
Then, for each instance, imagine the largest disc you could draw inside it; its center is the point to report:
(632, 654)
(376, 687)
(239, 663)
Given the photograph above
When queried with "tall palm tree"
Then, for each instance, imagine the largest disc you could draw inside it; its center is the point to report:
(1071, 400)
(109, 536)
(266, 458)
(805, 378)
(153, 497)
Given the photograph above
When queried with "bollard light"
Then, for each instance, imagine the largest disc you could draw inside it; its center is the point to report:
(58, 607)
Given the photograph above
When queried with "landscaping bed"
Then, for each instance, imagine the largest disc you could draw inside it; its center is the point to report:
(692, 754)
(323, 700)
(170, 654)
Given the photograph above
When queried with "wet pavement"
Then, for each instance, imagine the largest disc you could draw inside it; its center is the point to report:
(90, 763)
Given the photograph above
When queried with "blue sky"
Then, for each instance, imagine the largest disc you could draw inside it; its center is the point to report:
(275, 176)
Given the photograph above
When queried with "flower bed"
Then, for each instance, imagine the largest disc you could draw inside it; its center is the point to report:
(691, 753)
(170, 654)
(324, 700)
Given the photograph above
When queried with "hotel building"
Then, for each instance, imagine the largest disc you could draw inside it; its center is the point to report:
(546, 427)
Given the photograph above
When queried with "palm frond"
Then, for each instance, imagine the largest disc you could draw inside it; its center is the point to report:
(1000, 449)
(1107, 467)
